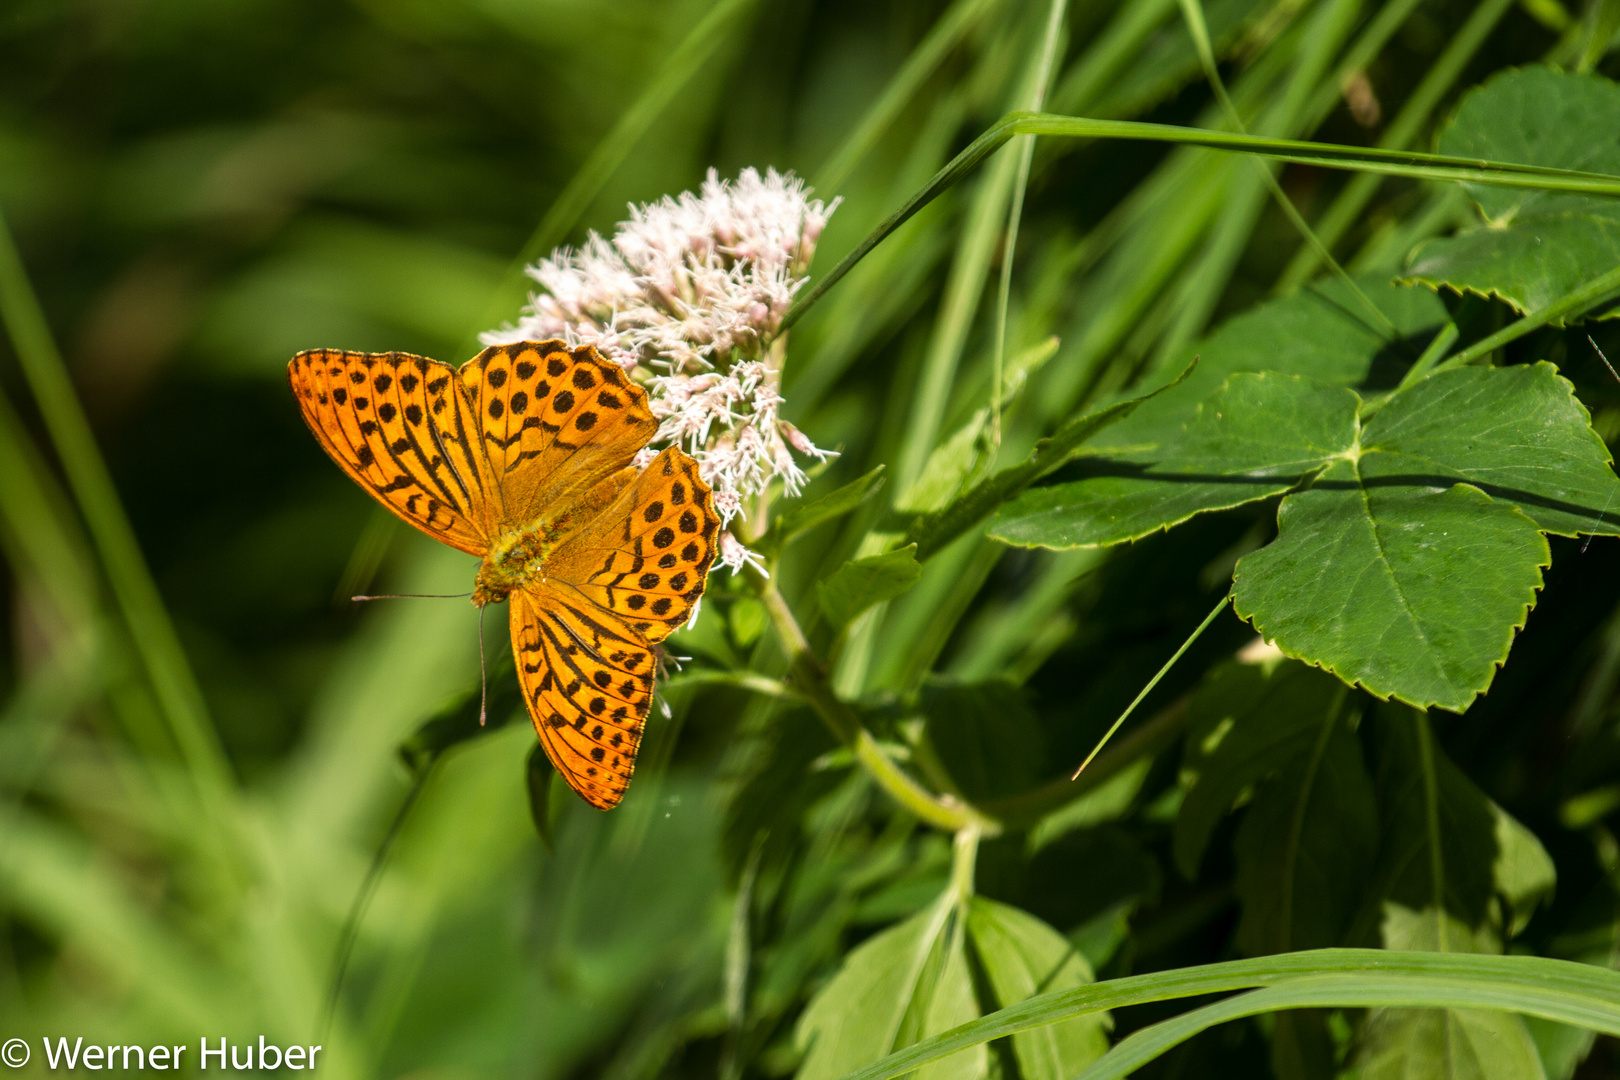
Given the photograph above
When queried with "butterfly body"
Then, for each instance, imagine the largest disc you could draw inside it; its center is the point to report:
(523, 459)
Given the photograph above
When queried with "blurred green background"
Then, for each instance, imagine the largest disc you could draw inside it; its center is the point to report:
(199, 189)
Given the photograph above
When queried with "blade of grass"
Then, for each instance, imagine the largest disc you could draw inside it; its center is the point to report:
(685, 61)
(1193, 13)
(1588, 995)
(1406, 125)
(948, 32)
(1026, 154)
(152, 633)
(1345, 992)
(1151, 683)
(1406, 163)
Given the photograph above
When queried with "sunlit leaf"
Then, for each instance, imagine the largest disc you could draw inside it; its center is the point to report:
(1533, 246)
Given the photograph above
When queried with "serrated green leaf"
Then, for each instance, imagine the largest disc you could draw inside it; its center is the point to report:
(1021, 957)
(1408, 591)
(1257, 436)
(1517, 433)
(860, 583)
(1318, 333)
(1534, 246)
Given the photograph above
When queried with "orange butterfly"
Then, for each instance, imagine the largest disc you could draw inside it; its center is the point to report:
(522, 457)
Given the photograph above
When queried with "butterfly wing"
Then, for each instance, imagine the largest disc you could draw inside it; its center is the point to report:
(587, 678)
(400, 427)
(645, 557)
(553, 423)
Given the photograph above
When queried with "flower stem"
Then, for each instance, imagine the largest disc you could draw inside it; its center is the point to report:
(808, 676)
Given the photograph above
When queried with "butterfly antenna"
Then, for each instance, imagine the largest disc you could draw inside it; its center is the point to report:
(412, 596)
(483, 674)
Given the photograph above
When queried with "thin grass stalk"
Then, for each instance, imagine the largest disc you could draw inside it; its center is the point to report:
(141, 605)
(1009, 247)
(1410, 164)
(1342, 992)
(1405, 127)
(1193, 12)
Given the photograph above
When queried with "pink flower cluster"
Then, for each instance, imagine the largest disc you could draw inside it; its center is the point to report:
(692, 289)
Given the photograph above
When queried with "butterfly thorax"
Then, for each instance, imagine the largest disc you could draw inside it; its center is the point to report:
(517, 558)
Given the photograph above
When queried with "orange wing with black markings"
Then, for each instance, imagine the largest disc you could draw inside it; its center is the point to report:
(587, 678)
(646, 556)
(553, 423)
(399, 425)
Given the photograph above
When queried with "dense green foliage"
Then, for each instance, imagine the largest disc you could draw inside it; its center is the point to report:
(1374, 801)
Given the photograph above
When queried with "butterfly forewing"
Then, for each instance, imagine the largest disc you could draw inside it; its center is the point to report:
(553, 422)
(587, 677)
(646, 556)
(398, 425)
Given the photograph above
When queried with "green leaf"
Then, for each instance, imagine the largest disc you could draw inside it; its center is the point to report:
(1257, 436)
(806, 516)
(933, 531)
(1460, 821)
(1307, 845)
(1523, 874)
(856, 1017)
(860, 583)
(1410, 592)
(906, 983)
(1534, 246)
(1444, 1044)
(1247, 722)
(1317, 333)
(1021, 957)
(1517, 433)
(457, 720)
(1561, 990)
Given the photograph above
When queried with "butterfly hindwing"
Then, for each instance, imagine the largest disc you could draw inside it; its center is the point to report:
(398, 425)
(553, 422)
(646, 556)
(587, 678)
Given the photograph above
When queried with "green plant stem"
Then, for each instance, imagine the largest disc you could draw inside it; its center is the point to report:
(152, 633)
(1443, 341)
(1148, 689)
(808, 676)
(1149, 737)
(1325, 155)
(1588, 296)
(1571, 992)
(1431, 809)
